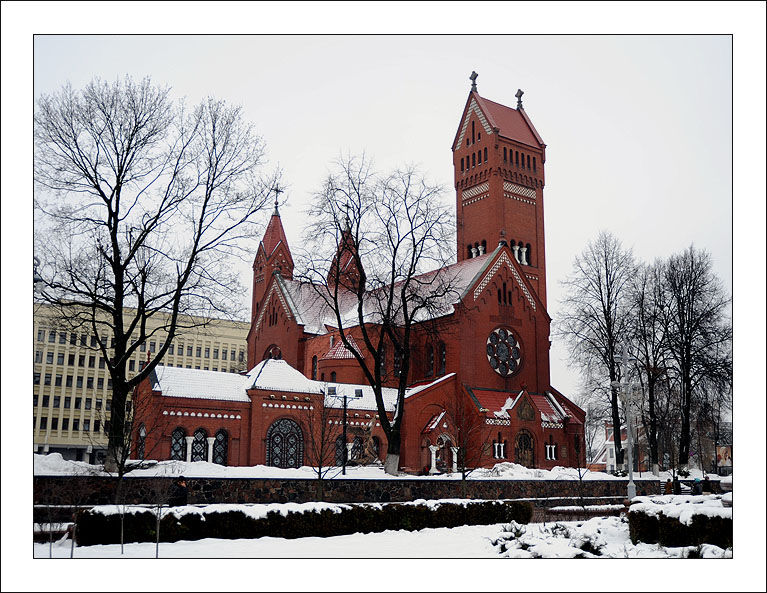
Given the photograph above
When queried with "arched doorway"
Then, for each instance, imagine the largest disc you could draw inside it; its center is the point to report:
(444, 455)
(523, 449)
(284, 444)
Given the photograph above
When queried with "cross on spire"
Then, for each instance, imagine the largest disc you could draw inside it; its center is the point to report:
(473, 80)
(519, 94)
(277, 192)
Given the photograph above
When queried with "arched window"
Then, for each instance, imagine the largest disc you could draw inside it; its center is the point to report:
(516, 157)
(141, 444)
(473, 136)
(339, 451)
(528, 161)
(504, 293)
(461, 164)
(200, 445)
(397, 363)
(484, 154)
(314, 368)
(284, 444)
(442, 358)
(473, 159)
(504, 154)
(178, 444)
(356, 448)
(429, 360)
(333, 376)
(220, 447)
(534, 167)
(274, 352)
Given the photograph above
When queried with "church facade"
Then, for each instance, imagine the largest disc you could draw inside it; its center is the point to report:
(479, 392)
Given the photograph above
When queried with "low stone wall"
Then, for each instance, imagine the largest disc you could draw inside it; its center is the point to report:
(69, 490)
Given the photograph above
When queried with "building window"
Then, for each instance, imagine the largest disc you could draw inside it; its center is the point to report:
(65, 424)
(170, 349)
(333, 376)
(83, 340)
(67, 402)
(109, 384)
(89, 383)
(52, 337)
(314, 368)
(200, 445)
(91, 362)
(36, 379)
(47, 379)
(223, 354)
(54, 423)
(102, 362)
(88, 402)
(93, 341)
(141, 444)
(34, 399)
(178, 444)
(100, 383)
(215, 353)
(340, 451)
(484, 154)
(397, 362)
(87, 425)
(504, 154)
(62, 338)
(49, 357)
(56, 401)
(442, 358)
(152, 346)
(71, 361)
(43, 423)
(429, 360)
(76, 424)
(131, 365)
(81, 360)
(40, 335)
(69, 380)
(98, 403)
(58, 380)
(199, 351)
(96, 425)
(461, 164)
(356, 448)
(60, 358)
(220, 447)
(109, 405)
(78, 402)
(46, 400)
(38, 356)
(207, 352)
(79, 382)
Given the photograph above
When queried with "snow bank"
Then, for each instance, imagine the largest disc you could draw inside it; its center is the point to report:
(681, 507)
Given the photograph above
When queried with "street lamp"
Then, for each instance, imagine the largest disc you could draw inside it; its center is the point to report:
(331, 391)
(626, 390)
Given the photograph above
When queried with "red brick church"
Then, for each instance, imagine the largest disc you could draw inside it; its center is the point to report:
(484, 386)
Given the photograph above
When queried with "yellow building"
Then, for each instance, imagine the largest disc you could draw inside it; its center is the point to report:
(71, 384)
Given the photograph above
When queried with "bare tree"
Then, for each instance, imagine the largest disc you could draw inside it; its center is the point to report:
(141, 205)
(322, 428)
(595, 317)
(648, 336)
(473, 435)
(699, 333)
(370, 243)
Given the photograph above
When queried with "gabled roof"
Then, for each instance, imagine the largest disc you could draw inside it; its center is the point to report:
(510, 123)
(278, 375)
(197, 384)
(338, 351)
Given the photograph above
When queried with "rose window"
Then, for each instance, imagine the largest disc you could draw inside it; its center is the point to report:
(503, 352)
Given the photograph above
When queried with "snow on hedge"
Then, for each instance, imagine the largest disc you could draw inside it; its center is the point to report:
(681, 507)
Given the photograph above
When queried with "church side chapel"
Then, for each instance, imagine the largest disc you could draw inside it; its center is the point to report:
(479, 389)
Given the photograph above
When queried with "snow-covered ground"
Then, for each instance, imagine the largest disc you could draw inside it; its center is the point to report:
(609, 536)
(54, 465)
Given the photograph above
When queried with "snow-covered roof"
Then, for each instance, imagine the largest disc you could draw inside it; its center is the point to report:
(278, 375)
(366, 402)
(197, 384)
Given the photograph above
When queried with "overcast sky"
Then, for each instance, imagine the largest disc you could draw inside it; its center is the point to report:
(638, 128)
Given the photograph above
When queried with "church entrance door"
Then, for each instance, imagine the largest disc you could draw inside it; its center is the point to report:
(524, 450)
(284, 444)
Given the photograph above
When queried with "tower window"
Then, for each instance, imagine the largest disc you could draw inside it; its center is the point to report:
(485, 154)
(333, 376)
(504, 293)
(462, 164)
(473, 159)
(504, 154)
(523, 160)
(516, 157)
(534, 169)
(473, 137)
(529, 255)
(528, 161)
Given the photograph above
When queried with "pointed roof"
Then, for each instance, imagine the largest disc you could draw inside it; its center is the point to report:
(339, 351)
(508, 122)
(274, 234)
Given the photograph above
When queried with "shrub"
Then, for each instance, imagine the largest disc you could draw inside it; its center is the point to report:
(670, 532)
(96, 528)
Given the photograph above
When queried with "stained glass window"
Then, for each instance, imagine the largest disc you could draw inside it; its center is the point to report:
(357, 448)
(220, 447)
(200, 445)
(141, 444)
(503, 352)
(178, 444)
(340, 451)
(284, 444)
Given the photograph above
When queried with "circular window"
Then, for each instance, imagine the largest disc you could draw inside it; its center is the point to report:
(503, 352)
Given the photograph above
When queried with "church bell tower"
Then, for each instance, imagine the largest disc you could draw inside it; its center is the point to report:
(498, 160)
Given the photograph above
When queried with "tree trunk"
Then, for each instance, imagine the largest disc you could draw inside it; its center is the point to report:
(391, 464)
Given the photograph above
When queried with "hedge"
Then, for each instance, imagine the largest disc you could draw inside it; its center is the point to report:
(671, 532)
(94, 527)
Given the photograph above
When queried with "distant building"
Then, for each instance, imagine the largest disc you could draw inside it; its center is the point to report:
(71, 388)
(491, 358)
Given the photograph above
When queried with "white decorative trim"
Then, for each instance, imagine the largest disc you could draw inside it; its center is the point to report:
(476, 190)
(268, 296)
(491, 272)
(473, 108)
(531, 277)
(497, 422)
(520, 190)
(551, 425)
(519, 199)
